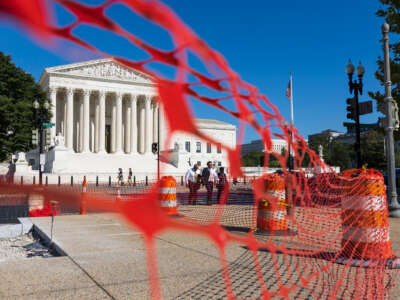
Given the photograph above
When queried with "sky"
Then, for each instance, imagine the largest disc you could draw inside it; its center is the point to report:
(263, 40)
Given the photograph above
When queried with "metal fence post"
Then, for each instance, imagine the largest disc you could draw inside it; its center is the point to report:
(97, 180)
(134, 180)
(47, 181)
(147, 180)
(109, 180)
(182, 180)
(72, 180)
(22, 180)
(59, 180)
(34, 179)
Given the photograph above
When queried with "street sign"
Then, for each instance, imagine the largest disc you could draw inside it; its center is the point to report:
(42, 159)
(48, 125)
(365, 107)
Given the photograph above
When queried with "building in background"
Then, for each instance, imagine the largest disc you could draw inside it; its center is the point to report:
(257, 145)
(106, 117)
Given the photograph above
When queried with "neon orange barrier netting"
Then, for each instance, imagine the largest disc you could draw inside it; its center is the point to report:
(337, 245)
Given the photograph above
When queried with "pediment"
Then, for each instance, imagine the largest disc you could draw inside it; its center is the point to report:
(102, 69)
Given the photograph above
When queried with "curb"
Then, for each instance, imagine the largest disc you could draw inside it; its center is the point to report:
(53, 245)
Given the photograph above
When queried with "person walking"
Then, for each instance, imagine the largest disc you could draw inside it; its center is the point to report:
(209, 176)
(192, 179)
(130, 177)
(120, 177)
(221, 183)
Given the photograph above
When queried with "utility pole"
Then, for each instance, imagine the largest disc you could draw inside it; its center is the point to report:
(394, 207)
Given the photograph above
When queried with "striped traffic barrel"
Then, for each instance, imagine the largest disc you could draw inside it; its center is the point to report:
(167, 195)
(365, 222)
(272, 206)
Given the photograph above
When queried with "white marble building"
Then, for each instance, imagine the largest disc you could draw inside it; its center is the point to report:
(257, 145)
(106, 117)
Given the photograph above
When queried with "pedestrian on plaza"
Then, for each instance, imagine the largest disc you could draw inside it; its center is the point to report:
(221, 184)
(130, 177)
(120, 177)
(209, 177)
(192, 179)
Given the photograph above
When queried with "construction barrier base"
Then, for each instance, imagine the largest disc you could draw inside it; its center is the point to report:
(390, 263)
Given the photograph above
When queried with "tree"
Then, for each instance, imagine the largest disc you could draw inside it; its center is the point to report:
(373, 150)
(391, 12)
(18, 91)
(256, 158)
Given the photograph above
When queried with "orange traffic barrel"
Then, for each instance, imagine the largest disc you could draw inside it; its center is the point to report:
(365, 223)
(83, 198)
(272, 207)
(167, 195)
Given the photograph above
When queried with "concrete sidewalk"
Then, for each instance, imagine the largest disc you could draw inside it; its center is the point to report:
(107, 260)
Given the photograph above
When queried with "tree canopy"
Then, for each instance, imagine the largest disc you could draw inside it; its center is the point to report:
(18, 91)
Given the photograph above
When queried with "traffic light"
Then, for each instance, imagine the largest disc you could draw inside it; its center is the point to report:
(35, 137)
(154, 148)
(351, 108)
(48, 137)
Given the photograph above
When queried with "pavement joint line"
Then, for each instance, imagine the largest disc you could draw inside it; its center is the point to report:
(124, 233)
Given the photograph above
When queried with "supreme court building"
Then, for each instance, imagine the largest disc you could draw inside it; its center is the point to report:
(106, 117)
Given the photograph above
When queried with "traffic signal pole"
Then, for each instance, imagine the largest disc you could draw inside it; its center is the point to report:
(357, 145)
(40, 150)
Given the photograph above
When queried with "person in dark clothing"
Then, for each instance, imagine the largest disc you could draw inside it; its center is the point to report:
(209, 176)
(221, 183)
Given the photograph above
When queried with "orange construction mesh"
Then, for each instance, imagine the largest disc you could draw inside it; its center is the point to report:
(337, 243)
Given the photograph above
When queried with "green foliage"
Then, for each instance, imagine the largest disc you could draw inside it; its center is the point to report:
(18, 91)
(256, 158)
(391, 13)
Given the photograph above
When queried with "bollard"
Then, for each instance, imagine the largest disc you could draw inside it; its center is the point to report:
(109, 180)
(47, 181)
(72, 180)
(59, 180)
(22, 180)
(82, 210)
(34, 180)
(134, 180)
(118, 198)
(147, 180)
(97, 180)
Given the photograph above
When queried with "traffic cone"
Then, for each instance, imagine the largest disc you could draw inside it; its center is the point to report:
(118, 198)
(83, 198)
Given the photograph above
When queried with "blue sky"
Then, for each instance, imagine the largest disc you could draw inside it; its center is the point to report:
(262, 40)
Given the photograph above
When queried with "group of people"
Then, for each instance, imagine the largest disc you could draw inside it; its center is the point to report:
(208, 177)
(121, 177)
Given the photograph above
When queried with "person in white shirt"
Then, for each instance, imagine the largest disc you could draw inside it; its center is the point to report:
(209, 177)
(192, 178)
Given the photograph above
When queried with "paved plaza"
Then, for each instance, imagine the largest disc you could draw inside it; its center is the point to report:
(106, 259)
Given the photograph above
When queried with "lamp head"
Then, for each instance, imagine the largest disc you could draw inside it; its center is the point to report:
(360, 70)
(35, 104)
(350, 68)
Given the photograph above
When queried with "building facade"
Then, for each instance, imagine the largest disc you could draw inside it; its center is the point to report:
(107, 117)
(257, 145)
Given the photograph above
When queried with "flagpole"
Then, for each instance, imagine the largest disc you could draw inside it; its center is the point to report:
(291, 160)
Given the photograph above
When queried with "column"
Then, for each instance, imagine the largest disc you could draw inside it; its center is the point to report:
(147, 133)
(70, 119)
(96, 126)
(79, 131)
(86, 121)
(128, 126)
(113, 123)
(102, 122)
(163, 130)
(141, 127)
(53, 101)
(155, 122)
(133, 124)
(118, 148)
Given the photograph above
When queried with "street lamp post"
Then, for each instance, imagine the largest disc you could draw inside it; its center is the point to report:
(356, 87)
(394, 206)
(40, 116)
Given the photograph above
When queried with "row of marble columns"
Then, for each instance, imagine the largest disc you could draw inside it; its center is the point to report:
(139, 129)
